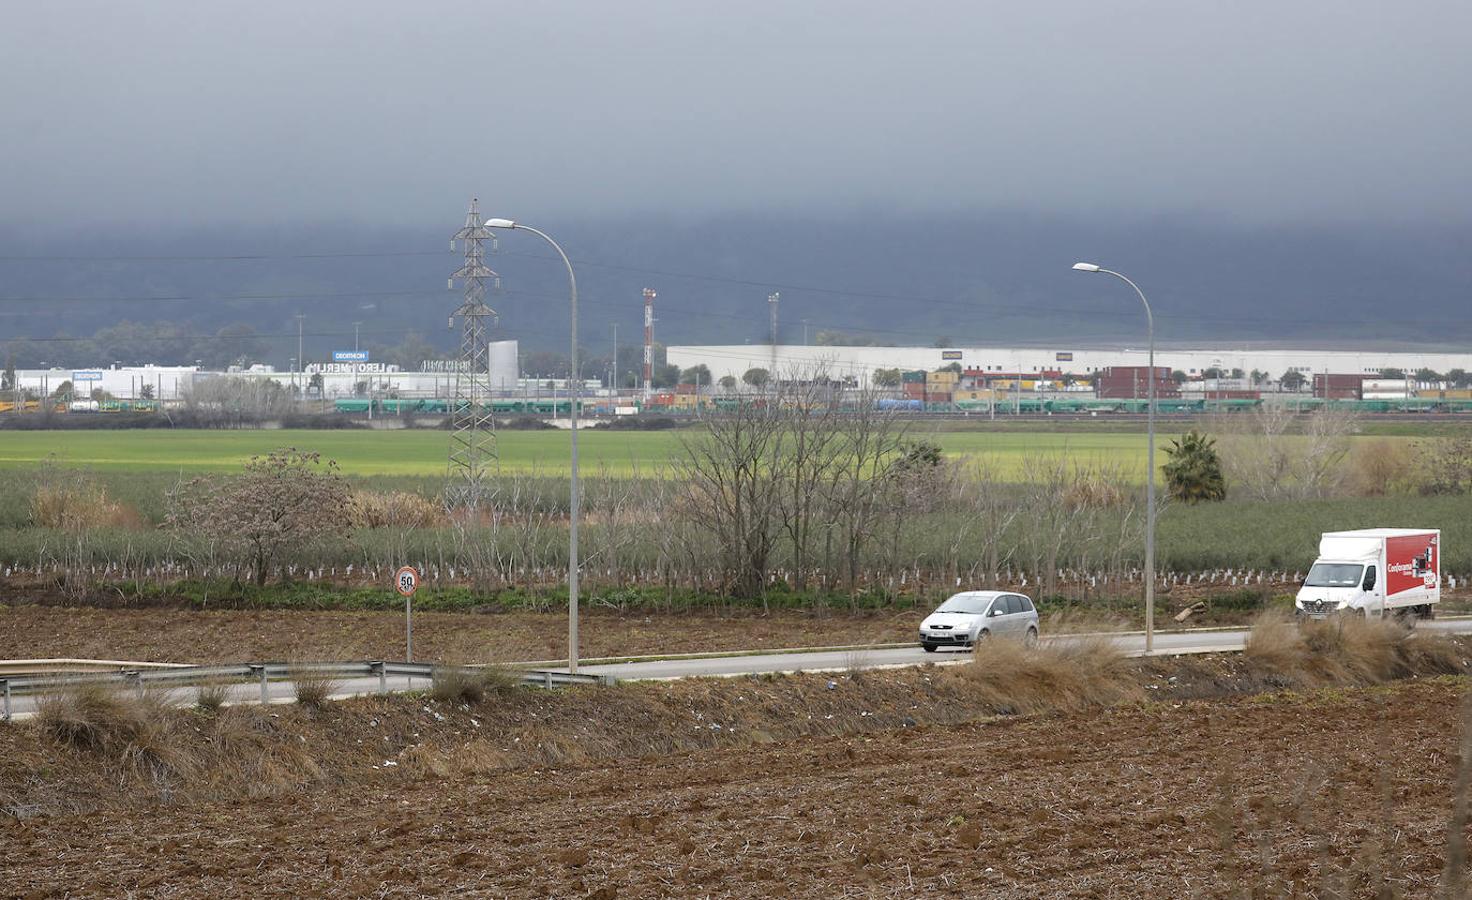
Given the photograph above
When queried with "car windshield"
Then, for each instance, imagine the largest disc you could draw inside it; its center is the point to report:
(965, 603)
(1334, 575)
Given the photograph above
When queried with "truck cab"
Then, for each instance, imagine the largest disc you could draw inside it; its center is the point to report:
(1342, 585)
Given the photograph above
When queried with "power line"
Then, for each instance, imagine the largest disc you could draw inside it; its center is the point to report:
(196, 298)
(228, 258)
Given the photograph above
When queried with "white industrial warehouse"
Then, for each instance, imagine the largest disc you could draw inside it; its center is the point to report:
(337, 379)
(859, 362)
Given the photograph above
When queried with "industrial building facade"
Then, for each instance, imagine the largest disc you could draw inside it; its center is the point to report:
(858, 363)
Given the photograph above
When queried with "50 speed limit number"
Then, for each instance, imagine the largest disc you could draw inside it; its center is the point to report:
(406, 580)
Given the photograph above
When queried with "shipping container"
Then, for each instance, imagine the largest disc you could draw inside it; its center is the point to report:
(1338, 387)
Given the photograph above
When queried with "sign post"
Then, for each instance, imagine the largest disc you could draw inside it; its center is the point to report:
(406, 582)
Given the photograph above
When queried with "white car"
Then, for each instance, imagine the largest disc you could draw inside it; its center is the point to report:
(968, 618)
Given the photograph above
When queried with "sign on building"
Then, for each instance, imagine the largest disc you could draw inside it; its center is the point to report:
(950, 354)
(86, 376)
(350, 356)
(1063, 356)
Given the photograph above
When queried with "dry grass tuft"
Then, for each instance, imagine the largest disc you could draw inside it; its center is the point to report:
(1063, 675)
(134, 731)
(1346, 650)
(211, 696)
(85, 717)
(471, 684)
(314, 687)
(252, 751)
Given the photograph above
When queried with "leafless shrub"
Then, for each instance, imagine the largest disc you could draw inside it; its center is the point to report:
(1263, 456)
(1381, 467)
(1444, 466)
(283, 499)
(1059, 675)
(395, 509)
(73, 501)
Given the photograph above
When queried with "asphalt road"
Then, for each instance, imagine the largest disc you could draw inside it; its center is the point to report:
(1133, 643)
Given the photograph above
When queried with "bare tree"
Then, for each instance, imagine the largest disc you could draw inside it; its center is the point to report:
(863, 487)
(283, 499)
(813, 423)
(733, 470)
(993, 509)
(1264, 457)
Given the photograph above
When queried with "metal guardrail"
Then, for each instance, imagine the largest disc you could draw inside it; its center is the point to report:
(263, 674)
(19, 668)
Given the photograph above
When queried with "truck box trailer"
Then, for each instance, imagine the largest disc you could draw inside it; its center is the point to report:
(1374, 572)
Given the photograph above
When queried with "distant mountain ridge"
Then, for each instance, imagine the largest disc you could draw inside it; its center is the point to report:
(963, 279)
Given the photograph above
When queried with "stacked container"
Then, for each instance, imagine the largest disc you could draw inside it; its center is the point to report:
(1339, 387)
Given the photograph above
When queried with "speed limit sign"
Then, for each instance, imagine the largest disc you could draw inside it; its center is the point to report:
(406, 580)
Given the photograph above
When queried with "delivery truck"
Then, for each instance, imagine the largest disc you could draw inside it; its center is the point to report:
(1374, 572)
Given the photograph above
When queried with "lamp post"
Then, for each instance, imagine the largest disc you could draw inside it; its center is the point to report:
(574, 498)
(1149, 456)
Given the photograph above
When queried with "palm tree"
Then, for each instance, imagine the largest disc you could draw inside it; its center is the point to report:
(1194, 472)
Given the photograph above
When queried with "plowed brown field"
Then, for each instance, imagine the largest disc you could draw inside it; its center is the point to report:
(1291, 795)
(182, 635)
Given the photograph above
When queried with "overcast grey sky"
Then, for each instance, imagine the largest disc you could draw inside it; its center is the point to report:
(177, 113)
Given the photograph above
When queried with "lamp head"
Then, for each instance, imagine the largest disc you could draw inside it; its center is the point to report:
(1085, 267)
(500, 223)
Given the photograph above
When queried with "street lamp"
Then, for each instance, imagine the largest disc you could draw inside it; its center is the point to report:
(1149, 456)
(574, 499)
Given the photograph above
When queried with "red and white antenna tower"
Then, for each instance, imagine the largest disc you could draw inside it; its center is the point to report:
(648, 341)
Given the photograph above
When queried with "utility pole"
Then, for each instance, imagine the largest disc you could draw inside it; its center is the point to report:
(773, 299)
(301, 361)
(613, 364)
(355, 336)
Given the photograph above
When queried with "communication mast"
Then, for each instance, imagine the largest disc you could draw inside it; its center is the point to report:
(773, 299)
(648, 342)
(472, 422)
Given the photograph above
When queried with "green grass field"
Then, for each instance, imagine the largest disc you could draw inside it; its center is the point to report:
(422, 453)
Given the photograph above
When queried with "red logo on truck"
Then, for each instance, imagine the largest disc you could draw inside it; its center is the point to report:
(1410, 563)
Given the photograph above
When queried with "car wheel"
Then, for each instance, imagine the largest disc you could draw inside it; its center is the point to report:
(1032, 638)
(981, 638)
(929, 648)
